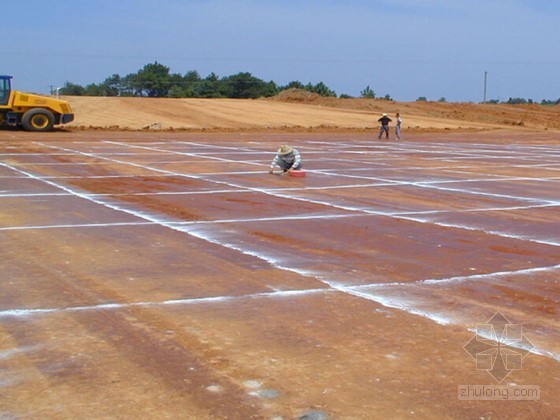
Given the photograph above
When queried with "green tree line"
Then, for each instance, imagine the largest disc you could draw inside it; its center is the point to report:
(516, 101)
(156, 81)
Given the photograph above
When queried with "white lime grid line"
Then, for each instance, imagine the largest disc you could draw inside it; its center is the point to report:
(183, 227)
(409, 215)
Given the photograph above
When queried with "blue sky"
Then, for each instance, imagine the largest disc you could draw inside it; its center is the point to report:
(404, 48)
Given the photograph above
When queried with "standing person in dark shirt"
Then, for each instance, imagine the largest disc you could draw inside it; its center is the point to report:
(384, 120)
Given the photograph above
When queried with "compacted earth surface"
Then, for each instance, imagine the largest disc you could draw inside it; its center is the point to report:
(296, 110)
(164, 273)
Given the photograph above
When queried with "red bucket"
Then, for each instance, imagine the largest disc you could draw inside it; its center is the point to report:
(297, 173)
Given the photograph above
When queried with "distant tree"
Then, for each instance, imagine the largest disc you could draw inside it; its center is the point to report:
(550, 102)
(112, 86)
(321, 89)
(516, 101)
(387, 97)
(246, 86)
(128, 87)
(210, 87)
(175, 91)
(155, 80)
(175, 79)
(367, 93)
(442, 99)
(152, 80)
(345, 96)
(191, 84)
(422, 99)
(493, 101)
(94, 90)
(192, 76)
(296, 84)
(72, 89)
(269, 89)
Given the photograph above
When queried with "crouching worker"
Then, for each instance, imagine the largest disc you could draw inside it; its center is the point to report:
(287, 159)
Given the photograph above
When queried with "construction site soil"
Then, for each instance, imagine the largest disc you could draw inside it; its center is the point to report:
(152, 268)
(297, 110)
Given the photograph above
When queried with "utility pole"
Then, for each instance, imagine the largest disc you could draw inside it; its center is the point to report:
(485, 77)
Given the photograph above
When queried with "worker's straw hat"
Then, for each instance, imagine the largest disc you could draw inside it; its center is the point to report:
(384, 114)
(285, 150)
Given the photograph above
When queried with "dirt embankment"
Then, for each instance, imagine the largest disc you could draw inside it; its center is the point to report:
(300, 110)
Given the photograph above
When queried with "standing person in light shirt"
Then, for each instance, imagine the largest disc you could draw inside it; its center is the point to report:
(398, 126)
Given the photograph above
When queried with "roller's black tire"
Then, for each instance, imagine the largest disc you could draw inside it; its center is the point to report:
(38, 119)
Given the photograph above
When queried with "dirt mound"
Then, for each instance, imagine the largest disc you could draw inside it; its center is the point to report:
(297, 109)
(298, 95)
(532, 116)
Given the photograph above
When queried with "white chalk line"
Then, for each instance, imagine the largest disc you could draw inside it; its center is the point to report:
(76, 225)
(175, 226)
(136, 213)
(390, 182)
(422, 184)
(550, 242)
(27, 195)
(63, 164)
(461, 279)
(209, 156)
(486, 231)
(398, 301)
(334, 286)
(143, 147)
(439, 146)
(33, 154)
(171, 302)
(229, 184)
(320, 202)
(385, 156)
(436, 185)
(455, 154)
(163, 223)
(443, 168)
(409, 305)
(350, 290)
(519, 344)
(190, 154)
(436, 182)
(186, 223)
(24, 195)
(197, 192)
(88, 176)
(274, 263)
(301, 217)
(352, 209)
